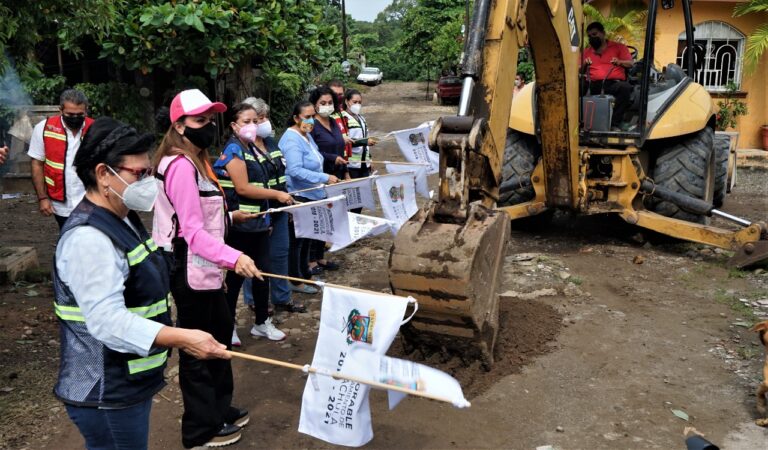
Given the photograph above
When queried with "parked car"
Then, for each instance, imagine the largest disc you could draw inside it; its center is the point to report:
(370, 75)
(448, 89)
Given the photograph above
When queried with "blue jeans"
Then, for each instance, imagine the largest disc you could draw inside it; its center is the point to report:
(113, 429)
(280, 291)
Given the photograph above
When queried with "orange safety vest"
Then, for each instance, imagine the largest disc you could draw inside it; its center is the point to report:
(55, 145)
(341, 121)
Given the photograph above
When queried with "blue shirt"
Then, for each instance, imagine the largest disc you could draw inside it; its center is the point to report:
(100, 297)
(304, 164)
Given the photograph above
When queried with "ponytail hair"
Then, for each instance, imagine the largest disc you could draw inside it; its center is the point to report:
(297, 111)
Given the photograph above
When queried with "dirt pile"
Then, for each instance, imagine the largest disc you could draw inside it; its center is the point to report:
(527, 329)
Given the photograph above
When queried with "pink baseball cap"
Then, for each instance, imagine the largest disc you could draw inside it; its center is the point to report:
(192, 102)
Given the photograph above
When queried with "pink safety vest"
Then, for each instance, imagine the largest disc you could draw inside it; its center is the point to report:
(201, 274)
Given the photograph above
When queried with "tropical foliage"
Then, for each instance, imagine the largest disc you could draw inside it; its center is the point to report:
(730, 108)
(629, 29)
(757, 42)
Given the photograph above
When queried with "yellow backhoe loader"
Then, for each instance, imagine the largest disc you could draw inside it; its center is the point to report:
(663, 174)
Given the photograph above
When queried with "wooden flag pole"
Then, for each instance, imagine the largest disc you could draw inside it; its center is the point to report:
(322, 283)
(341, 376)
(298, 205)
(322, 186)
(400, 163)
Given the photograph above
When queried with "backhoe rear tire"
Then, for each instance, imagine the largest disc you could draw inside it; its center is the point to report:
(687, 166)
(722, 153)
(521, 154)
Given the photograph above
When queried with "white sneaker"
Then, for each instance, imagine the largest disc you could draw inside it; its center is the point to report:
(235, 339)
(268, 331)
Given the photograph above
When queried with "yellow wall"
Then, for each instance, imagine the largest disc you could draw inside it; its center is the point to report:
(670, 24)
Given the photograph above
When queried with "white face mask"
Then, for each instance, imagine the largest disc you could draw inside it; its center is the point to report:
(264, 130)
(139, 196)
(325, 110)
(356, 108)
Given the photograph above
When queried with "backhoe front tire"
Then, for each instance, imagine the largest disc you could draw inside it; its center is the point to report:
(687, 166)
(521, 154)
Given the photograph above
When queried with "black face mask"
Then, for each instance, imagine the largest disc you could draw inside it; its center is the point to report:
(201, 137)
(73, 122)
(595, 42)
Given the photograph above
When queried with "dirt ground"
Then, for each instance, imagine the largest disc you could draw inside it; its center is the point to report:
(606, 329)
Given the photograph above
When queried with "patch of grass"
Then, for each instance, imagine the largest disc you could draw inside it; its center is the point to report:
(736, 273)
(699, 269)
(578, 281)
(736, 306)
(748, 352)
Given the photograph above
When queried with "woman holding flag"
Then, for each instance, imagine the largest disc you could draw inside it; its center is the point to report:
(304, 172)
(245, 169)
(358, 132)
(191, 220)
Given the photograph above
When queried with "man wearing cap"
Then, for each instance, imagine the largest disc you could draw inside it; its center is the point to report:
(52, 150)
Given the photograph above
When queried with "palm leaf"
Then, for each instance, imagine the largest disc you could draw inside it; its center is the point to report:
(753, 6)
(757, 44)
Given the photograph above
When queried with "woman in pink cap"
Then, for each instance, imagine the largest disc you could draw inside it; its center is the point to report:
(191, 221)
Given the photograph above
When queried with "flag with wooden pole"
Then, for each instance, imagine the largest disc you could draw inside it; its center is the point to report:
(414, 144)
(397, 196)
(324, 220)
(337, 410)
(358, 193)
(357, 327)
(419, 174)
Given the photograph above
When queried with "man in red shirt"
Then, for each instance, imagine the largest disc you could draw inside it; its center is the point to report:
(608, 61)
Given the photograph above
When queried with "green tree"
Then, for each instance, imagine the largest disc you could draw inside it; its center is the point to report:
(219, 35)
(432, 32)
(629, 28)
(757, 42)
(65, 23)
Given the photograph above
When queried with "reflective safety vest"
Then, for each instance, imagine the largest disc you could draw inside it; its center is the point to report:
(258, 177)
(358, 129)
(55, 145)
(90, 373)
(341, 121)
(273, 164)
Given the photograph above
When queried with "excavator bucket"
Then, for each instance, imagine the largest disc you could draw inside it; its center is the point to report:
(454, 270)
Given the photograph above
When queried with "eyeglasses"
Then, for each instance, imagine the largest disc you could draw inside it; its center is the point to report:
(73, 115)
(140, 174)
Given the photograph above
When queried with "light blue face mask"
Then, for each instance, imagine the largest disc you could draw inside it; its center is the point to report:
(309, 121)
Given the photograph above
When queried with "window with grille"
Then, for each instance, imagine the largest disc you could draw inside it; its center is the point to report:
(723, 47)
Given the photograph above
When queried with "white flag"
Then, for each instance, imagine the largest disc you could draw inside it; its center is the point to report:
(358, 193)
(324, 221)
(414, 144)
(361, 226)
(337, 411)
(420, 174)
(397, 196)
(367, 365)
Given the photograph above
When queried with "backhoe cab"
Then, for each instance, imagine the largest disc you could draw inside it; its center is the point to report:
(501, 160)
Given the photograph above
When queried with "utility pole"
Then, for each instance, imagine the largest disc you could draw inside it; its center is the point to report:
(344, 27)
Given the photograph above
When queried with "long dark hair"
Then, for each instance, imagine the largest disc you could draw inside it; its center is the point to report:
(108, 141)
(351, 93)
(234, 114)
(296, 111)
(315, 95)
